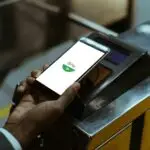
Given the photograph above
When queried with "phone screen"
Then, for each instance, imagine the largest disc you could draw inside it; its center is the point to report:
(70, 67)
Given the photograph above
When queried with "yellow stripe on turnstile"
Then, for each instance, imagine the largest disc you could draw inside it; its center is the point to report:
(4, 112)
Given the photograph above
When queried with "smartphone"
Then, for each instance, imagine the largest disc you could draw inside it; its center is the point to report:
(72, 66)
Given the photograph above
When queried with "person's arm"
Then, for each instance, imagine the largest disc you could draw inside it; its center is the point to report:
(8, 141)
(30, 116)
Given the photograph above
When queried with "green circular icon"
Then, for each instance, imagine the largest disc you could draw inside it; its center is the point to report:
(66, 68)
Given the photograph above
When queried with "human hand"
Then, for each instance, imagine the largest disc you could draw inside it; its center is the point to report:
(30, 117)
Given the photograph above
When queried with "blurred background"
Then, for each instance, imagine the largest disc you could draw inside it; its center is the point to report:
(30, 28)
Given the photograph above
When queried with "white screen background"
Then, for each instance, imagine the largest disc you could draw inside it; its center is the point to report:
(81, 55)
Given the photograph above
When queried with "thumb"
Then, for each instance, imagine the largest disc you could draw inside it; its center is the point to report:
(69, 95)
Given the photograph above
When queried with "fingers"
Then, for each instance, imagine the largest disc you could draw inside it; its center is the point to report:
(69, 95)
(45, 67)
(22, 87)
(30, 80)
(36, 73)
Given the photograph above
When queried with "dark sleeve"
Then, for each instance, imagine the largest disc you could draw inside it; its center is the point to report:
(4, 143)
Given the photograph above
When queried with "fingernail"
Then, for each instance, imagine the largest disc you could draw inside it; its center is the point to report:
(76, 86)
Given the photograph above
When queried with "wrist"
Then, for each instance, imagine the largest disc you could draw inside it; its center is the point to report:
(22, 133)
